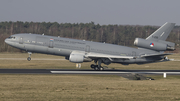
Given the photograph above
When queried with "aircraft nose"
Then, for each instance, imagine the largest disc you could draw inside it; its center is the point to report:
(7, 41)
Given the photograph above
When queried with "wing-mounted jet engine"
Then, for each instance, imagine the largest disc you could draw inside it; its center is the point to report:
(159, 45)
(78, 57)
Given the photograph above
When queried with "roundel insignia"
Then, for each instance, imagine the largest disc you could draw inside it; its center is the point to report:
(151, 44)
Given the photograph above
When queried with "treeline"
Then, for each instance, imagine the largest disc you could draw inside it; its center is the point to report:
(114, 34)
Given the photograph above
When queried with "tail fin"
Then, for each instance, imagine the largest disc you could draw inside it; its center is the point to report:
(156, 41)
(162, 33)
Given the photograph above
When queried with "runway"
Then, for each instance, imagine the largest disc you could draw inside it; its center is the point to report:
(85, 71)
(32, 59)
(44, 59)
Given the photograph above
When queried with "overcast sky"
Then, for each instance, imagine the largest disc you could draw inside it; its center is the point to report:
(121, 12)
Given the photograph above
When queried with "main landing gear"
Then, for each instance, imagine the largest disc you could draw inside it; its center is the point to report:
(97, 67)
(29, 58)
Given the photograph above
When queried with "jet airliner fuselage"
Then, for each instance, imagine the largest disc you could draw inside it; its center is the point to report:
(79, 51)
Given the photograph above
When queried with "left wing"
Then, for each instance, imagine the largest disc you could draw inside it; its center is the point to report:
(152, 55)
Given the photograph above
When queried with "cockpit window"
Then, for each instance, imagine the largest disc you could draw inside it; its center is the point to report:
(12, 37)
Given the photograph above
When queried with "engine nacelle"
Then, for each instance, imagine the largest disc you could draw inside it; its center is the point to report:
(76, 58)
(153, 45)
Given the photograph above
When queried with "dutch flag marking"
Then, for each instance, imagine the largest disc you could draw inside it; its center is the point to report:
(51, 39)
(151, 44)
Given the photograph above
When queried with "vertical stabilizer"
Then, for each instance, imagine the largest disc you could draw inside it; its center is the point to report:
(162, 33)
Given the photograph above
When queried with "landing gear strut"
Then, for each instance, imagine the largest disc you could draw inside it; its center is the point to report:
(29, 58)
(97, 67)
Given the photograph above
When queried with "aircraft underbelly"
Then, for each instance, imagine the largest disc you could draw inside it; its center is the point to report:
(130, 61)
(42, 49)
(29, 47)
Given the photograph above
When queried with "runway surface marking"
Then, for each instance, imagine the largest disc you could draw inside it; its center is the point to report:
(85, 71)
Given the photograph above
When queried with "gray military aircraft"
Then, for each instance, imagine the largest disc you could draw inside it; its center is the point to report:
(77, 51)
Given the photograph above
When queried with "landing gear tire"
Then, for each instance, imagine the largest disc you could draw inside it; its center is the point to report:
(29, 59)
(101, 68)
(92, 66)
(96, 68)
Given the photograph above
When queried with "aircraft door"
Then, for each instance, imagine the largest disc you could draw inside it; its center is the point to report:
(87, 49)
(21, 40)
(51, 43)
(41, 44)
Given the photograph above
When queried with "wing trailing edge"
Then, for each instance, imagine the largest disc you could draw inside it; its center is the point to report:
(110, 57)
(154, 55)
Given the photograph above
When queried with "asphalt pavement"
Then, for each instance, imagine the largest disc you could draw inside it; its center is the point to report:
(85, 71)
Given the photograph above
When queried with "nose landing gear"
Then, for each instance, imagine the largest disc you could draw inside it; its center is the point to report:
(29, 58)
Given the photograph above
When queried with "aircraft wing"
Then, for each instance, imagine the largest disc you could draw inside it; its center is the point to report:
(152, 55)
(110, 57)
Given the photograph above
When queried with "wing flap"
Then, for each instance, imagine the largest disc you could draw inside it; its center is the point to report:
(152, 55)
(110, 57)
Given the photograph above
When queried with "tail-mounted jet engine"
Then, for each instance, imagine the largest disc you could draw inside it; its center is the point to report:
(154, 45)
